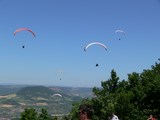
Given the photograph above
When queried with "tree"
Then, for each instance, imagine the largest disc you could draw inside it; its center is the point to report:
(133, 98)
(105, 97)
(44, 115)
(29, 114)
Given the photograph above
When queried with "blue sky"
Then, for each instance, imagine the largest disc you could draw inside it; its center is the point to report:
(64, 27)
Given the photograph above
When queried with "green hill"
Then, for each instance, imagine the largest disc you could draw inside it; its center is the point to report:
(35, 91)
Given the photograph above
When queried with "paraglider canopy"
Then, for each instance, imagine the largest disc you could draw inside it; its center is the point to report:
(95, 43)
(57, 94)
(120, 31)
(22, 29)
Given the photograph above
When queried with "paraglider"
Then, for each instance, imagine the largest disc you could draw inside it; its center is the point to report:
(24, 29)
(95, 43)
(59, 95)
(121, 32)
(59, 73)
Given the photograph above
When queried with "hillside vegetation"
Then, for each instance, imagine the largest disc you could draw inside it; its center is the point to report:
(35, 91)
(37, 97)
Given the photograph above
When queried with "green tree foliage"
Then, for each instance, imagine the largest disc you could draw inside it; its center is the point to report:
(29, 114)
(44, 115)
(131, 99)
(105, 101)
